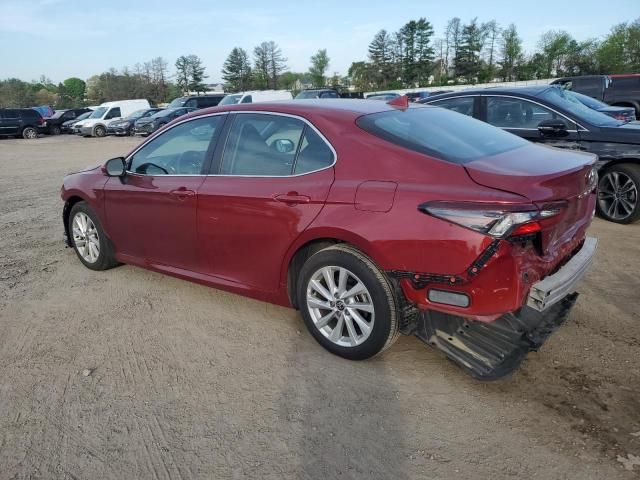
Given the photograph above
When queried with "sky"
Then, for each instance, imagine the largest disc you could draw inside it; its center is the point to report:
(81, 38)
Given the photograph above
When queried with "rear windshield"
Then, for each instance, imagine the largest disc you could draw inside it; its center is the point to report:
(440, 133)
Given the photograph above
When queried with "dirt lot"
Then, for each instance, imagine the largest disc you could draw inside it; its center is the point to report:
(131, 374)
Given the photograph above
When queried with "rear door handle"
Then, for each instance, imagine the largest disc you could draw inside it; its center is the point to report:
(292, 198)
(182, 193)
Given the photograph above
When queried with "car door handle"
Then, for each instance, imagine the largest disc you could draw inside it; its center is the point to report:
(182, 193)
(292, 198)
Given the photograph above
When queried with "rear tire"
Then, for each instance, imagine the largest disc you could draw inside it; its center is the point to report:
(30, 133)
(618, 189)
(88, 239)
(347, 303)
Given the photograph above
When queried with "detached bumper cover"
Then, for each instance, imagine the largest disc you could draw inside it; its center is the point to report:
(491, 350)
(554, 288)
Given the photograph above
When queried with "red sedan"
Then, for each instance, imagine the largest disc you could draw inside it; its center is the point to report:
(372, 219)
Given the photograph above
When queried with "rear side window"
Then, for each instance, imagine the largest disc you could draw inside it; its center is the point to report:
(247, 99)
(588, 86)
(205, 102)
(440, 133)
(314, 154)
(262, 145)
(11, 113)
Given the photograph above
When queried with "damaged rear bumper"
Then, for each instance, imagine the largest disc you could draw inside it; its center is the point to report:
(489, 351)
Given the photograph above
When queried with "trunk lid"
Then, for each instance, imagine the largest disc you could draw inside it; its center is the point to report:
(546, 176)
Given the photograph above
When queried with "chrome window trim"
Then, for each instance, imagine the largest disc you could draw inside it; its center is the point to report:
(298, 117)
(582, 128)
(146, 142)
(262, 112)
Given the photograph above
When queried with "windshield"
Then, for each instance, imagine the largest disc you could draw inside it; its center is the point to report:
(309, 94)
(137, 114)
(161, 113)
(178, 102)
(98, 112)
(440, 133)
(569, 101)
(231, 99)
(82, 117)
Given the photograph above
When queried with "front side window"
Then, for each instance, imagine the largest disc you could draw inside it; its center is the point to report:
(462, 105)
(508, 112)
(440, 133)
(247, 99)
(113, 113)
(181, 150)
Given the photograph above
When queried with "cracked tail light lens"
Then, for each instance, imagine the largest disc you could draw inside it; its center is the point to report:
(498, 221)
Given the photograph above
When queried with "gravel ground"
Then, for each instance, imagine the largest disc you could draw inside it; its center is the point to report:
(132, 374)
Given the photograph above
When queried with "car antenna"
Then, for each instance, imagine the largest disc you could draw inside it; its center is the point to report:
(401, 102)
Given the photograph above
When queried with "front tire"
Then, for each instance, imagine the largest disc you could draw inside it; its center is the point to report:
(99, 131)
(55, 130)
(347, 303)
(88, 238)
(618, 189)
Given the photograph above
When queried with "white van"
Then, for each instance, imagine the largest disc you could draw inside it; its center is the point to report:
(256, 96)
(96, 124)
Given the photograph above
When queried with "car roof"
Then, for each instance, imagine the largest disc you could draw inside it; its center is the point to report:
(344, 107)
(533, 91)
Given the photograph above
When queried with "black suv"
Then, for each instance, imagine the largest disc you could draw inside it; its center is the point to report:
(621, 90)
(197, 101)
(24, 122)
(554, 116)
(53, 124)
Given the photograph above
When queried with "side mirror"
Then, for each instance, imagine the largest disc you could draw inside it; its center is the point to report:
(115, 167)
(283, 145)
(554, 127)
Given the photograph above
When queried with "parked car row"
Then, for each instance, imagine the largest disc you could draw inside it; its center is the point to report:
(551, 115)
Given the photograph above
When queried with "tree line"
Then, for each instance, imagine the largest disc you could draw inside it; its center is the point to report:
(465, 53)
(480, 52)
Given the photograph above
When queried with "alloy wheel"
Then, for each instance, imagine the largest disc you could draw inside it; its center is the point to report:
(340, 306)
(85, 237)
(617, 195)
(30, 133)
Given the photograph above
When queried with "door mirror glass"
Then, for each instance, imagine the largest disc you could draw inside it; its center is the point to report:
(553, 126)
(283, 145)
(115, 167)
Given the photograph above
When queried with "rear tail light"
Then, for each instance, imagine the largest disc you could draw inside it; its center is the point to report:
(496, 220)
(41, 121)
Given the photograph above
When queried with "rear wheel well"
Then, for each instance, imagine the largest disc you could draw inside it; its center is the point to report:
(299, 258)
(617, 162)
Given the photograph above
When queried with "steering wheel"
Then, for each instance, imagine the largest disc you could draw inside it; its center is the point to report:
(145, 166)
